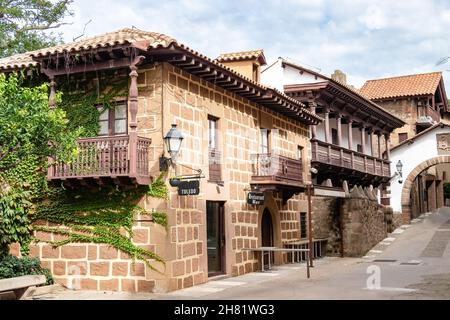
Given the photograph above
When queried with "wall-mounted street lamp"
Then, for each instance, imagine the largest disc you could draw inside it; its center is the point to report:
(399, 167)
(173, 140)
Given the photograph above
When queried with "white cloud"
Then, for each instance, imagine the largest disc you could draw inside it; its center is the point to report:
(374, 18)
(366, 38)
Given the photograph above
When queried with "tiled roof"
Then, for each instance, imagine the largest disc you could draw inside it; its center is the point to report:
(243, 55)
(143, 40)
(403, 86)
(122, 36)
(18, 61)
(119, 37)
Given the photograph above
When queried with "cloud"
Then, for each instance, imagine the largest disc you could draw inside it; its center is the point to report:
(366, 39)
(373, 18)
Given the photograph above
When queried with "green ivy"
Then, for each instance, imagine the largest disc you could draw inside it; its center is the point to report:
(104, 215)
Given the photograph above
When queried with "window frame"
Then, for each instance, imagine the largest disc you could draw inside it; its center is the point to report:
(111, 120)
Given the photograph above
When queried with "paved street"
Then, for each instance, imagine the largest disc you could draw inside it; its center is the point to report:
(414, 263)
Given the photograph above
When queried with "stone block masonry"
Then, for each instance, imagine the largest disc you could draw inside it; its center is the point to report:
(169, 95)
(91, 266)
(352, 225)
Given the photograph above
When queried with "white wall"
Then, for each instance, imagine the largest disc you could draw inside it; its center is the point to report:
(356, 133)
(275, 76)
(272, 76)
(411, 155)
(320, 130)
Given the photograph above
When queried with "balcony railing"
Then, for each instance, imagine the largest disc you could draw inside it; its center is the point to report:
(427, 115)
(215, 167)
(341, 157)
(106, 157)
(272, 168)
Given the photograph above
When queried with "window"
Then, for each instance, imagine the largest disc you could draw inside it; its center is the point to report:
(299, 152)
(302, 225)
(402, 136)
(255, 72)
(215, 169)
(113, 121)
(359, 148)
(212, 132)
(264, 140)
(334, 136)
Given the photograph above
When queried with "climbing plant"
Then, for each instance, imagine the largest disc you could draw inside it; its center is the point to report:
(29, 133)
(104, 215)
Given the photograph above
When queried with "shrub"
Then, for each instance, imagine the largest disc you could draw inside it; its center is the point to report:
(11, 266)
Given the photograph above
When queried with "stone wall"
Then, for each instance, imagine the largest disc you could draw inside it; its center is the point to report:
(169, 95)
(326, 224)
(356, 222)
(363, 222)
(90, 266)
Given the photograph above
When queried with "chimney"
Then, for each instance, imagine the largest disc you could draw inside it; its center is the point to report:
(246, 63)
(339, 76)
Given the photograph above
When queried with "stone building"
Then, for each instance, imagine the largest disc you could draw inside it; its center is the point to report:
(243, 136)
(346, 153)
(421, 101)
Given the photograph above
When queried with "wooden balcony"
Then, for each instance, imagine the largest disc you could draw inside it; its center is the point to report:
(215, 165)
(427, 116)
(104, 158)
(277, 171)
(350, 164)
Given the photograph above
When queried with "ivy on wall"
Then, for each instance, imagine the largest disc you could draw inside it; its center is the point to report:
(105, 215)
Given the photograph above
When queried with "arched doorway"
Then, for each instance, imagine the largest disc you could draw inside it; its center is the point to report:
(267, 237)
(409, 182)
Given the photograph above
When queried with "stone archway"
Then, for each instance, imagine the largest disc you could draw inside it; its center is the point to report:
(409, 180)
(271, 206)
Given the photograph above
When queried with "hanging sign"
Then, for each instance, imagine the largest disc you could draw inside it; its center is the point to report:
(255, 198)
(189, 188)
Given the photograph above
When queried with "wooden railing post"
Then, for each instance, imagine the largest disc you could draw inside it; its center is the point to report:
(133, 104)
(353, 160)
(329, 154)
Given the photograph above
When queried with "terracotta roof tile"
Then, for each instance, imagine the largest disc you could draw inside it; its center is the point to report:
(17, 61)
(119, 37)
(122, 36)
(403, 86)
(243, 55)
(142, 39)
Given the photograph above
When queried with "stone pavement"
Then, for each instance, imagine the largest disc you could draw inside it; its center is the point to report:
(413, 262)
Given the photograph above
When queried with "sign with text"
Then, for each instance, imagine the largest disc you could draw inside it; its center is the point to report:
(255, 198)
(189, 188)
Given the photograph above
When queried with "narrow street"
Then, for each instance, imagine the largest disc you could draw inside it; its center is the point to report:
(414, 263)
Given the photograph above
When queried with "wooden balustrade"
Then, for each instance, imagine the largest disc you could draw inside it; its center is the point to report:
(215, 165)
(428, 111)
(276, 168)
(341, 157)
(104, 157)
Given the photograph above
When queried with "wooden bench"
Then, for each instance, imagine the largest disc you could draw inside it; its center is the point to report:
(21, 286)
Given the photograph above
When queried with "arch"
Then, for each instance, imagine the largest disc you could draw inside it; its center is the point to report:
(267, 238)
(271, 206)
(408, 183)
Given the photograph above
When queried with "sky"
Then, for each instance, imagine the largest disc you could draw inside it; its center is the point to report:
(367, 39)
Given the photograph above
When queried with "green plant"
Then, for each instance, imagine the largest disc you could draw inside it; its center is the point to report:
(11, 266)
(447, 190)
(105, 216)
(99, 216)
(29, 133)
